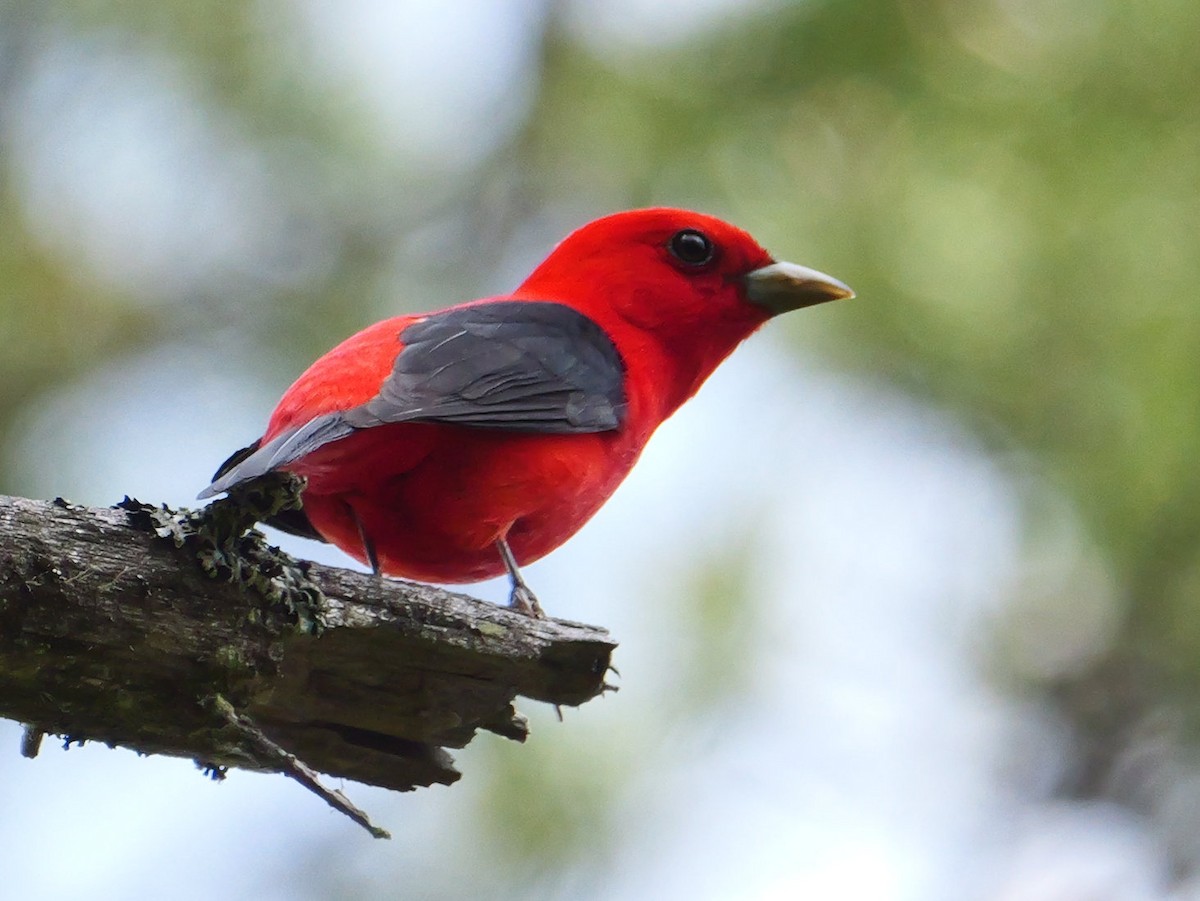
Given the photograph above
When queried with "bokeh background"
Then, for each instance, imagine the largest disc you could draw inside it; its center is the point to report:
(908, 596)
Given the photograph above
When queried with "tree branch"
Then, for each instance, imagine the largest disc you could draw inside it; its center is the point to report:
(113, 628)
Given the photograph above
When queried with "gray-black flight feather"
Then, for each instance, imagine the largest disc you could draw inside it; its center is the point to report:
(521, 366)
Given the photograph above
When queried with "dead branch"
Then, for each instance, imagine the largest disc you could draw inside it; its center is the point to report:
(120, 626)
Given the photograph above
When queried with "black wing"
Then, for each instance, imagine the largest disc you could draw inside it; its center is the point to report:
(521, 366)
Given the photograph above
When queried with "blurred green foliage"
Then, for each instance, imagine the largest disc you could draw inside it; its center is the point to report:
(1012, 186)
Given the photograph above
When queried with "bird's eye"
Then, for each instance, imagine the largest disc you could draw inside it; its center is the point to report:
(691, 247)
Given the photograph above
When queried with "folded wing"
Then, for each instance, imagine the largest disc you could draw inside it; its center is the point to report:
(520, 366)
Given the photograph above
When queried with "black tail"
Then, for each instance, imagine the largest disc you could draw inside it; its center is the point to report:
(294, 522)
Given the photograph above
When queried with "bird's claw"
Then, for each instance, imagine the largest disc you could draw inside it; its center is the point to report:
(524, 600)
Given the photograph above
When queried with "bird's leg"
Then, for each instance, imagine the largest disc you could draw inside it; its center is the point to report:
(520, 598)
(367, 543)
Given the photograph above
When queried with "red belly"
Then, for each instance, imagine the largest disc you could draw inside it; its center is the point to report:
(434, 499)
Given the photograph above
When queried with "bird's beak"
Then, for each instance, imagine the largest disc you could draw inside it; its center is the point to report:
(781, 287)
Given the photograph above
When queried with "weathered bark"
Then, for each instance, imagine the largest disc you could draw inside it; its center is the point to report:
(108, 632)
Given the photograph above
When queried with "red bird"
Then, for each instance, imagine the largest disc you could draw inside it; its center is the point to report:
(453, 446)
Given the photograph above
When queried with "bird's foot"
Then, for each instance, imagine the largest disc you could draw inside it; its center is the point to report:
(520, 598)
(524, 600)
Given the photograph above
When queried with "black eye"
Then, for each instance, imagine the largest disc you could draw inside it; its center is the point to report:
(691, 247)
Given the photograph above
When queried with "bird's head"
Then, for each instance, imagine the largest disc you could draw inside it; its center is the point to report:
(691, 284)
(659, 266)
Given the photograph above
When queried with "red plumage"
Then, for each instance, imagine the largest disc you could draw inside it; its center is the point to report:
(430, 440)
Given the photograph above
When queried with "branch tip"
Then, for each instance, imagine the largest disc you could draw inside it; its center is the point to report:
(31, 741)
(292, 766)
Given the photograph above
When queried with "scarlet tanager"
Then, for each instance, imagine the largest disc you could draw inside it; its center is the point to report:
(452, 446)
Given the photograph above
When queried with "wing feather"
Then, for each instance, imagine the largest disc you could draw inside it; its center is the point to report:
(523, 366)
